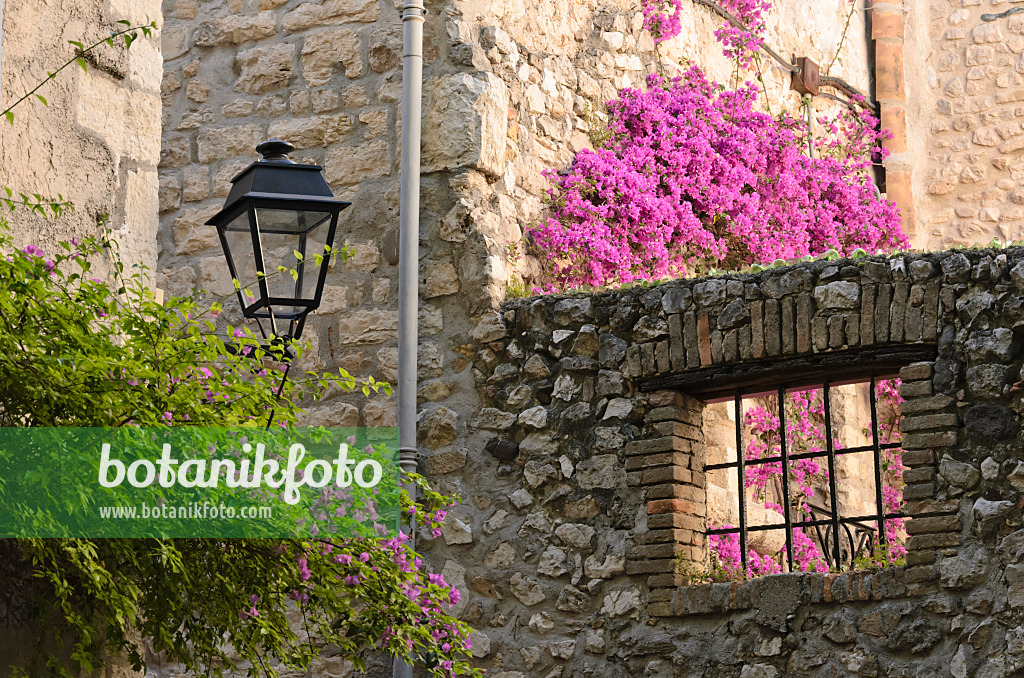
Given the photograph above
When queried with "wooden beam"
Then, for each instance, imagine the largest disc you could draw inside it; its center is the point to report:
(721, 382)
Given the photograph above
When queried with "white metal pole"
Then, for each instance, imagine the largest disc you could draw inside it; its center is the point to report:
(408, 249)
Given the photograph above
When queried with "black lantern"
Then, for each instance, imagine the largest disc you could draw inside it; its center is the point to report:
(279, 214)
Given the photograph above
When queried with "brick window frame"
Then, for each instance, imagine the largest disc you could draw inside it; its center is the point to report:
(667, 464)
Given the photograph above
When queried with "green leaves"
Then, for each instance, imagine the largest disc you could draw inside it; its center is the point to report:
(43, 206)
(74, 351)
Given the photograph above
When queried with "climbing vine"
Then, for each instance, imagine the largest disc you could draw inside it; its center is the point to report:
(83, 348)
(662, 19)
(694, 177)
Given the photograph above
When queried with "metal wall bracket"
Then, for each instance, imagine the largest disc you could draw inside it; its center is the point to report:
(808, 79)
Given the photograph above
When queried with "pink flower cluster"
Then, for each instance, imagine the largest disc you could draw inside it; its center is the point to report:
(738, 43)
(431, 594)
(888, 398)
(725, 548)
(803, 434)
(662, 19)
(694, 176)
(37, 253)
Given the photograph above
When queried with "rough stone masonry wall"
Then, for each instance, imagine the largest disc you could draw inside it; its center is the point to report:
(509, 87)
(567, 554)
(965, 89)
(98, 141)
(509, 91)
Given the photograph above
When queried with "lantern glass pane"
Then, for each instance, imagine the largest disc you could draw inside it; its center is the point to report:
(238, 237)
(282, 234)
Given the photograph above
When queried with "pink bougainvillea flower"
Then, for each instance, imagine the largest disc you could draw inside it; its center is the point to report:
(694, 177)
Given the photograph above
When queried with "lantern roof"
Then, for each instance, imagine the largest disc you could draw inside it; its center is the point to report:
(276, 177)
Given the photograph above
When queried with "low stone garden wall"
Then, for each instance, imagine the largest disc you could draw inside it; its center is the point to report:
(584, 486)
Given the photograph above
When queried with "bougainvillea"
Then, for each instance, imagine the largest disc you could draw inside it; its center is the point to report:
(690, 178)
(742, 44)
(887, 395)
(80, 348)
(662, 19)
(694, 177)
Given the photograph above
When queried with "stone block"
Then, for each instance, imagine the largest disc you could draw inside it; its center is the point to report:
(350, 165)
(219, 143)
(898, 315)
(772, 328)
(836, 331)
(311, 15)
(235, 29)
(916, 372)
(465, 122)
(677, 353)
(717, 352)
(819, 333)
(841, 294)
(661, 357)
(320, 130)
(788, 326)
(757, 329)
(192, 235)
(323, 51)
(704, 339)
(804, 311)
(882, 307)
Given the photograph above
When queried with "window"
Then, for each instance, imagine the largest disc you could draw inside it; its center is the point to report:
(818, 486)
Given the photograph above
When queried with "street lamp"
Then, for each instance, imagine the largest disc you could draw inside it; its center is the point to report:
(279, 214)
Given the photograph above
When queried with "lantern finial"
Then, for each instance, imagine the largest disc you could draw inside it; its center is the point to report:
(275, 150)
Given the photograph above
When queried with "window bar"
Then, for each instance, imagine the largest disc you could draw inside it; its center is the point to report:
(855, 520)
(836, 553)
(803, 455)
(785, 478)
(879, 506)
(741, 473)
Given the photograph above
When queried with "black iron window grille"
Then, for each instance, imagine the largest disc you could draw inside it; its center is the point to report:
(841, 539)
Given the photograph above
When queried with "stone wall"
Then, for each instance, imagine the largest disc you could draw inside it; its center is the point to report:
(964, 115)
(569, 554)
(98, 141)
(511, 89)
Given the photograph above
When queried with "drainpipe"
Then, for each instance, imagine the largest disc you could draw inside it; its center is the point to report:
(408, 250)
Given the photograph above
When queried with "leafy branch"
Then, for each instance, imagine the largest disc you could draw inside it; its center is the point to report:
(35, 202)
(57, 206)
(129, 35)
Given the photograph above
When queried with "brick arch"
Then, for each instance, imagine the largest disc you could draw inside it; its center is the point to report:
(855, 316)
